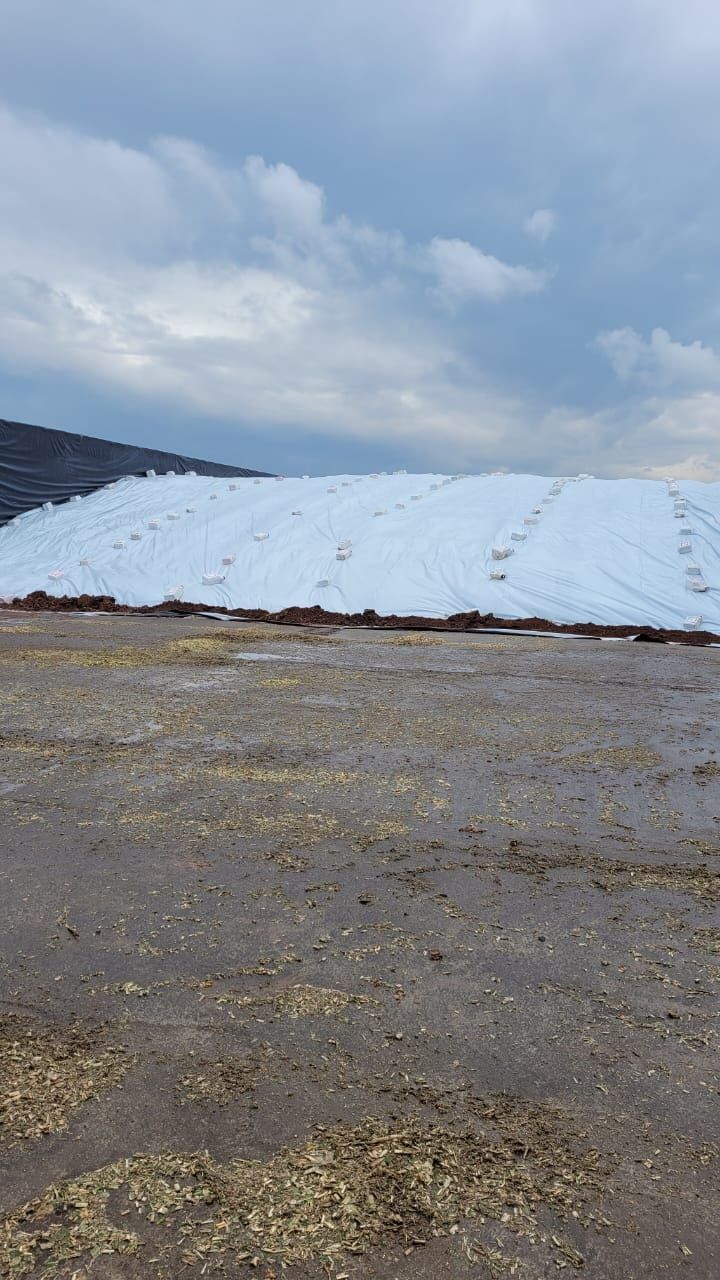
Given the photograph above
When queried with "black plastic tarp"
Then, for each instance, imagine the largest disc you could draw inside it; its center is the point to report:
(39, 465)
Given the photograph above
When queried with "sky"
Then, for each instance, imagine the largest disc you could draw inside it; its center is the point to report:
(343, 235)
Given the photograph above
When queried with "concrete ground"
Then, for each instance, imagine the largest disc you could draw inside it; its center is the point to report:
(416, 936)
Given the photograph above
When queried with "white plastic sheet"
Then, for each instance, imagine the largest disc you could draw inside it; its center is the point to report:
(605, 551)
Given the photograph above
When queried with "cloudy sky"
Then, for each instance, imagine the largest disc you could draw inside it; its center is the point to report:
(323, 235)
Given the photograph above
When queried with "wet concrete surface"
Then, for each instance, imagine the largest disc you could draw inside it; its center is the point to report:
(306, 878)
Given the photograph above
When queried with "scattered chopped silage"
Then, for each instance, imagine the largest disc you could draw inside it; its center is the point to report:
(47, 1074)
(336, 1195)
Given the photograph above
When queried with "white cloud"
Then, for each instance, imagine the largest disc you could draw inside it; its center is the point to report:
(465, 272)
(248, 343)
(63, 190)
(660, 361)
(296, 207)
(679, 435)
(696, 466)
(541, 224)
(231, 290)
